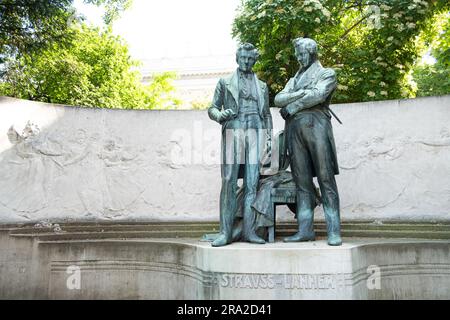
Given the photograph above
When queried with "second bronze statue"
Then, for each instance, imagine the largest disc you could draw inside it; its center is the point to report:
(305, 104)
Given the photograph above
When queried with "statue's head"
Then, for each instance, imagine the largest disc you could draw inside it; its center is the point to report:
(305, 51)
(30, 131)
(246, 56)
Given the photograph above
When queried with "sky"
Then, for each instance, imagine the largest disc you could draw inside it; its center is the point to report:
(173, 28)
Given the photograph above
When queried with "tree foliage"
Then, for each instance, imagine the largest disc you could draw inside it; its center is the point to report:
(434, 79)
(160, 93)
(29, 25)
(94, 70)
(113, 8)
(372, 44)
(48, 54)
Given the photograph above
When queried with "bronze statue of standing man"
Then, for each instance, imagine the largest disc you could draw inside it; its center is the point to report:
(241, 105)
(305, 107)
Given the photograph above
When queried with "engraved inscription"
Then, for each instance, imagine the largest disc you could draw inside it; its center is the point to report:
(284, 281)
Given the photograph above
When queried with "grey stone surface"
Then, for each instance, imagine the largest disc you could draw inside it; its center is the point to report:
(115, 165)
(188, 269)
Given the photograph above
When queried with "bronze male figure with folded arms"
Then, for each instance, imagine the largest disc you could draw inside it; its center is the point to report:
(304, 104)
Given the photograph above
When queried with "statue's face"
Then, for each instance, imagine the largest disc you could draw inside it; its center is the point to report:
(303, 56)
(246, 60)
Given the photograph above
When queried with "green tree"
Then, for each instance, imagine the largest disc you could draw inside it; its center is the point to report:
(30, 25)
(113, 8)
(372, 44)
(434, 79)
(94, 70)
(160, 93)
(27, 25)
(47, 54)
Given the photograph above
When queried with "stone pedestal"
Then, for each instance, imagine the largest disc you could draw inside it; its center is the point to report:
(190, 269)
(177, 269)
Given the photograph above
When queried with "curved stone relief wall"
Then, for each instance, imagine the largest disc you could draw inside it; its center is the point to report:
(60, 163)
(394, 159)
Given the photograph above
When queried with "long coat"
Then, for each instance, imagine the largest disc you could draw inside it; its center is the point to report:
(226, 96)
(319, 83)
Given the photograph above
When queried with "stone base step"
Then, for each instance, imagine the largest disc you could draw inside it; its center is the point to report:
(126, 230)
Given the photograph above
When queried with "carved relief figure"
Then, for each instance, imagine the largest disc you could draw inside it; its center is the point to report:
(121, 185)
(78, 186)
(24, 171)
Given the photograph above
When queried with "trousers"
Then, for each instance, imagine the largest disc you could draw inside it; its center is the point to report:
(242, 141)
(311, 150)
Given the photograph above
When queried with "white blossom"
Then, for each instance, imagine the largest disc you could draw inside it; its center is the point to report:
(317, 4)
(371, 94)
(326, 13)
(383, 93)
